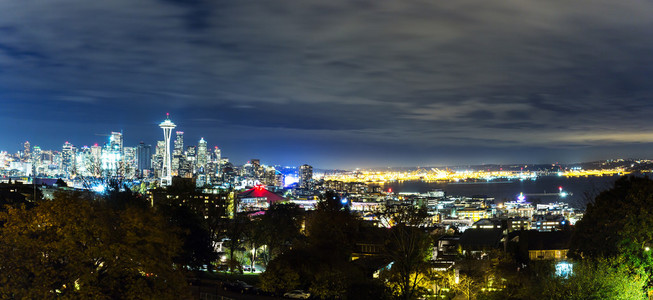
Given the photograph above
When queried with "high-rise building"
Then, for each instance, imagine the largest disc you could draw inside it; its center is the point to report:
(48, 157)
(166, 175)
(305, 176)
(202, 155)
(115, 141)
(217, 154)
(36, 155)
(178, 153)
(179, 142)
(83, 161)
(26, 153)
(111, 160)
(189, 163)
(68, 159)
(96, 165)
(129, 162)
(143, 157)
(157, 158)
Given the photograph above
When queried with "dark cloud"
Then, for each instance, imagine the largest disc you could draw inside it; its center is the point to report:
(374, 78)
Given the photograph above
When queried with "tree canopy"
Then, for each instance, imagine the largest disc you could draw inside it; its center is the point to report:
(73, 247)
(618, 225)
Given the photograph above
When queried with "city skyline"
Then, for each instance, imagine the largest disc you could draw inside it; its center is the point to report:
(336, 85)
(244, 158)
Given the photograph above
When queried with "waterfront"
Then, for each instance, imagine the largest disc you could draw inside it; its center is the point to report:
(508, 190)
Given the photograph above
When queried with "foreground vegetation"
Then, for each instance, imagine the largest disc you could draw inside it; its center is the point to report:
(119, 246)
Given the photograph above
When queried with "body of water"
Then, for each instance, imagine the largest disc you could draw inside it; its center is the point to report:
(578, 188)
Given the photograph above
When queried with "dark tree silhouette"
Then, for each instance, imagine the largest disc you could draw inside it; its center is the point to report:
(618, 225)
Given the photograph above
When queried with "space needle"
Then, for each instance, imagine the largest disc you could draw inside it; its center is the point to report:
(166, 175)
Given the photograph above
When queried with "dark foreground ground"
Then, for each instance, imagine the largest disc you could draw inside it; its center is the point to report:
(209, 286)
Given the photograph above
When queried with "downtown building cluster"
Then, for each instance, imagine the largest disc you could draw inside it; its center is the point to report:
(111, 160)
(171, 157)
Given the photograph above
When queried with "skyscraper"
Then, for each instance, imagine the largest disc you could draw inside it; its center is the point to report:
(191, 159)
(115, 141)
(143, 157)
(178, 154)
(96, 154)
(26, 153)
(305, 176)
(157, 158)
(36, 155)
(166, 175)
(202, 155)
(218, 154)
(68, 159)
(129, 162)
(179, 142)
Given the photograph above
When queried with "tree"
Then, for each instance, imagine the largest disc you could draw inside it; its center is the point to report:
(408, 248)
(279, 227)
(236, 232)
(617, 225)
(284, 273)
(332, 230)
(592, 279)
(197, 249)
(330, 283)
(72, 247)
(322, 264)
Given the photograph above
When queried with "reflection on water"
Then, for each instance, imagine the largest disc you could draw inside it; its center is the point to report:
(577, 188)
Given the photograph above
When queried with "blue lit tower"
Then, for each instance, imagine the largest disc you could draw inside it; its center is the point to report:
(167, 126)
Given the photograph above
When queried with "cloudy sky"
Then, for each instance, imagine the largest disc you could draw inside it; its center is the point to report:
(335, 83)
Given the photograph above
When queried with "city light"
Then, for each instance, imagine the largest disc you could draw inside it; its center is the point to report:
(99, 188)
(521, 197)
(564, 269)
(290, 180)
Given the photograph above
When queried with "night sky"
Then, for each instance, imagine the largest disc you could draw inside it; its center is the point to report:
(335, 84)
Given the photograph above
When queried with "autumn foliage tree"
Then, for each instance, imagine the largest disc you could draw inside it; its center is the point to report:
(73, 247)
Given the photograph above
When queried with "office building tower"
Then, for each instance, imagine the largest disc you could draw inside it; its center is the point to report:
(111, 160)
(191, 158)
(115, 141)
(129, 162)
(26, 152)
(143, 157)
(202, 155)
(68, 159)
(305, 176)
(179, 142)
(217, 154)
(82, 161)
(178, 153)
(157, 158)
(96, 155)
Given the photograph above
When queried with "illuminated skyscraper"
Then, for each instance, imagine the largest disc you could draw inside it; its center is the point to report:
(157, 158)
(305, 176)
(166, 175)
(111, 160)
(178, 153)
(129, 162)
(96, 154)
(68, 159)
(218, 154)
(144, 157)
(36, 155)
(115, 141)
(202, 155)
(179, 142)
(189, 163)
(26, 154)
